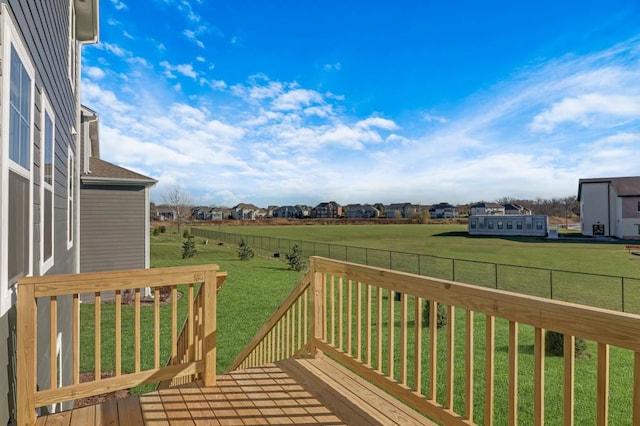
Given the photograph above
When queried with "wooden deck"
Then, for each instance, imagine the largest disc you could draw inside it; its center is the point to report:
(307, 392)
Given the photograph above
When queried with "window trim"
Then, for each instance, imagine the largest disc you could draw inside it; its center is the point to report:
(46, 264)
(70, 198)
(72, 49)
(11, 38)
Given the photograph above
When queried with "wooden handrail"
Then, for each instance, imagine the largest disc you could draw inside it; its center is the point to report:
(202, 359)
(328, 330)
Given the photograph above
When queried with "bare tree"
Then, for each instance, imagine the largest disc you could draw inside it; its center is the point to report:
(179, 201)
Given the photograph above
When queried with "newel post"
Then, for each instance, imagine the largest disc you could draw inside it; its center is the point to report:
(317, 306)
(26, 354)
(209, 349)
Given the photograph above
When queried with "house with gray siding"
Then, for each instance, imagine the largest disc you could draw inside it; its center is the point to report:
(360, 211)
(39, 168)
(484, 208)
(610, 207)
(114, 209)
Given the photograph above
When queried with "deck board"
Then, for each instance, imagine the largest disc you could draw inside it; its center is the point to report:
(302, 392)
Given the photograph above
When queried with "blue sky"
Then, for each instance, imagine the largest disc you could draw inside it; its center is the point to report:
(286, 102)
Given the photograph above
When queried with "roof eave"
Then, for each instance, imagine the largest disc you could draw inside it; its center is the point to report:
(96, 180)
(87, 20)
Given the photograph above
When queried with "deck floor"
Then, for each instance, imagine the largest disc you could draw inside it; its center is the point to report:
(286, 393)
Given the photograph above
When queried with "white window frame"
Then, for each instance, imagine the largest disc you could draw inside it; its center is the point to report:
(71, 178)
(72, 49)
(46, 264)
(11, 39)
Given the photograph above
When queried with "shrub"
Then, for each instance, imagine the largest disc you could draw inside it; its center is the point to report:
(441, 316)
(244, 251)
(554, 345)
(156, 231)
(295, 259)
(189, 248)
(186, 233)
(163, 229)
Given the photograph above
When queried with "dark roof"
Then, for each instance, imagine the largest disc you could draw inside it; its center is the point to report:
(103, 172)
(624, 186)
(485, 205)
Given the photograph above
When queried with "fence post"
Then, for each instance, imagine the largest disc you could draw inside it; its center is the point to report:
(366, 256)
(496, 275)
(26, 354)
(390, 260)
(551, 283)
(453, 269)
(419, 270)
(209, 306)
(317, 307)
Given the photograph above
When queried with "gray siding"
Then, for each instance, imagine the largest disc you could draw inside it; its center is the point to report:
(43, 28)
(112, 228)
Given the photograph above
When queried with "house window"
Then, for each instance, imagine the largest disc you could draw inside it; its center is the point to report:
(71, 47)
(70, 187)
(490, 225)
(509, 225)
(638, 206)
(473, 224)
(539, 226)
(500, 224)
(519, 224)
(18, 134)
(46, 186)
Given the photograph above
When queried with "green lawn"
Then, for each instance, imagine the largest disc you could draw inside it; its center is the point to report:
(254, 289)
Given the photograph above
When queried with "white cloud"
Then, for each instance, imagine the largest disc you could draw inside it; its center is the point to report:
(94, 72)
(118, 4)
(127, 35)
(586, 110)
(333, 67)
(430, 118)
(113, 48)
(183, 69)
(191, 35)
(296, 99)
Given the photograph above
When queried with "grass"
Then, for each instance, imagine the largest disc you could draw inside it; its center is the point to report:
(254, 289)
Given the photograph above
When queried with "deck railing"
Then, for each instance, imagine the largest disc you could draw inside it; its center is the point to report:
(383, 341)
(193, 353)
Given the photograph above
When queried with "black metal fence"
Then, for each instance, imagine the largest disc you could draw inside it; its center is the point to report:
(605, 291)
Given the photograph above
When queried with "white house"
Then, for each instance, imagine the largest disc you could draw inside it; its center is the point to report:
(509, 225)
(487, 208)
(610, 207)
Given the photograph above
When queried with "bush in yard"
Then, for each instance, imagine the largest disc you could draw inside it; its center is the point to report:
(163, 229)
(189, 248)
(441, 315)
(186, 233)
(156, 231)
(554, 345)
(244, 251)
(295, 259)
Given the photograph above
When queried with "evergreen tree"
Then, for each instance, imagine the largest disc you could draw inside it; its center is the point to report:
(189, 248)
(244, 251)
(295, 259)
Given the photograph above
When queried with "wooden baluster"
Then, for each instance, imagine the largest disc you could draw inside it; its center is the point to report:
(451, 335)
(332, 302)
(209, 327)
(636, 388)
(190, 325)
(403, 339)
(359, 322)
(118, 332)
(379, 329)
(340, 316)
(53, 342)
(174, 324)
(469, 352)
(489, 368)
(75, 333)
(349, 317)
(538, 402)
(569, 377)
(368, 322)
(391, 336)
(417, 346)
(513, 374)
(137, 329)
(602, 409)
(97, 324)
(156, 327)
(433, 349)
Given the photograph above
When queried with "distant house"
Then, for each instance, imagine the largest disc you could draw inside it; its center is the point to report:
(201, 213)
(360, 211)
(442, 211)
(244, 211)
(526, 225)
(220, 213)
(328, 210)
(487, 209)
(402, 210)
(164, 214)
(610, 207)
(114, 212)
(292, 212)
(512, 208)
